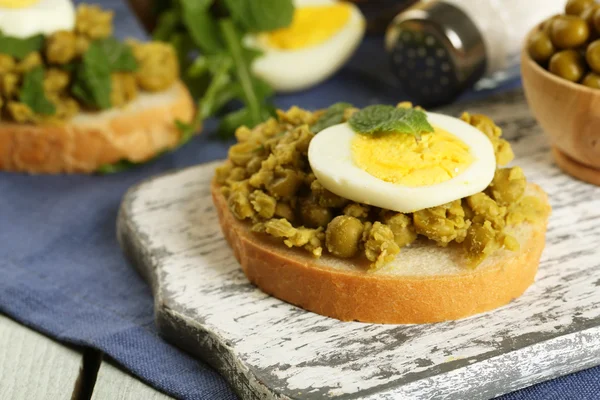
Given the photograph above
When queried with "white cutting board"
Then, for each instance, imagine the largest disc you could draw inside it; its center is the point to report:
(270, 349)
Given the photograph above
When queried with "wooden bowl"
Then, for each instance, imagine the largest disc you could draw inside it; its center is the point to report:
(569, 113)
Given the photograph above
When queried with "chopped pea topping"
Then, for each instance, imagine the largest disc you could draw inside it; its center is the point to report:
(267, 180)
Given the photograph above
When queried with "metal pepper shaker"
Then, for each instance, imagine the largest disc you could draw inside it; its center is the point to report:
(438, 49)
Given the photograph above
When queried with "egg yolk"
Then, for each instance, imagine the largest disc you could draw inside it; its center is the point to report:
(17, 3)
(402, 159)
(310, 26)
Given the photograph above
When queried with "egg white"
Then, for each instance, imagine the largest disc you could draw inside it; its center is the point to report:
(330, 157)
(293, 70)
(44, 17)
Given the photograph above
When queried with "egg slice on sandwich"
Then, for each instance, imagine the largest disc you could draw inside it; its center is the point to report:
(25, 18)
(320, 39)
(400, 172)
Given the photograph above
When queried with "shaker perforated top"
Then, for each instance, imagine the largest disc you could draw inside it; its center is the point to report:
(436, 52)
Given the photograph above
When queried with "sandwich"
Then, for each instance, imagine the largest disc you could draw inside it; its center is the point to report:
(387, 214)
(75, 99)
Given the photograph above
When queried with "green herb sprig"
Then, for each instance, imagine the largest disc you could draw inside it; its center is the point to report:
(119, 166)
(119, 55)
(384, 119)
(214, 31)
(32, 92)
(333, 115)
(20, 48)
(92, 84)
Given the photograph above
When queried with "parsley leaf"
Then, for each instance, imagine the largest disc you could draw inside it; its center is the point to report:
(384, 118)
(333, 115)
(119, 55)
(261, 15)
(20, 48)
(92, 82)
(32, 92)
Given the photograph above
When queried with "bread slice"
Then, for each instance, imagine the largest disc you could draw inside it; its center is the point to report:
(425, 283)
(136, 132)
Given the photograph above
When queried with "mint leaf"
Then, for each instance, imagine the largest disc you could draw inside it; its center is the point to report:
(80, 91)
(187, 132)
(119, 166)
(333, 116)
(167, 24)
(261, 15)
(198, 67)
(262, 88)
(213, 30)
(251, 53)
(201, 25)
(233, 120)
(119, 55)
(384, 118)
(219, 65)
(242, 68)
(220, 80)
(32, 92)
(20, 48)
(184, 46)
(92, 83)
(70, 67)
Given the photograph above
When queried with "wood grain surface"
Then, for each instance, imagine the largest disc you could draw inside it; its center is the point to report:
(114, 384)
(270, 349)
(34, 367)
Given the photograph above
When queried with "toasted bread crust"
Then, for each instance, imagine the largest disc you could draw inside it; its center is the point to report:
(368, 297)
(85, 143)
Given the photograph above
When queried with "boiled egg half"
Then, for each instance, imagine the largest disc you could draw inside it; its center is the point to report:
(320, 39)
(25, 18)
(397, 172)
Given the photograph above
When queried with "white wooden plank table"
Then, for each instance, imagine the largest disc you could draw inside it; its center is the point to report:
(114, 384)
(33, 367)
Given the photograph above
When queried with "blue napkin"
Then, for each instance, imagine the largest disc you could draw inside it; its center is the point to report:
(62, 272)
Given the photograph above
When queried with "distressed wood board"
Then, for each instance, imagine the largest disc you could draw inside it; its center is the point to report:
(270, 349)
